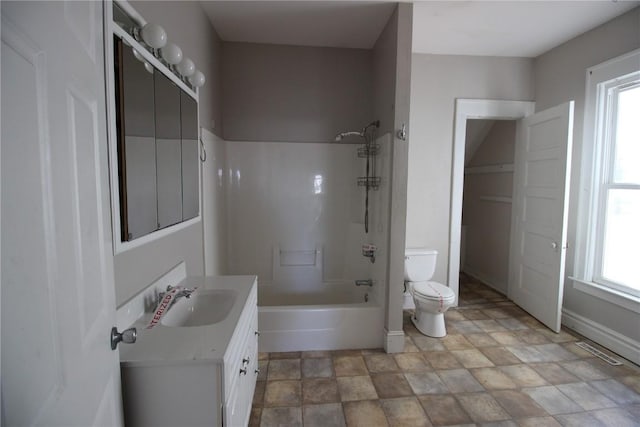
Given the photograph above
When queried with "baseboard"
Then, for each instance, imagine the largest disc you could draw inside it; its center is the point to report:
(606, 337)
(489, 281)
(393, 341)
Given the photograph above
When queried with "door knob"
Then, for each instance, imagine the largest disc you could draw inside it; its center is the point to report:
(127, 336)
(554, 245)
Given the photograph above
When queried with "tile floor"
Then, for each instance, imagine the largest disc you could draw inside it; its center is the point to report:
(497, 366)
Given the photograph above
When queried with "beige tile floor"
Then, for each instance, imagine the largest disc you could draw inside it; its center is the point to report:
(496, 367)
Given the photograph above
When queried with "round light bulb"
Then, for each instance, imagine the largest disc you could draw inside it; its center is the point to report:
(197, 79)
(154, 35)
(138, 56)
(148, 67)
(186, 67)
(171, 53)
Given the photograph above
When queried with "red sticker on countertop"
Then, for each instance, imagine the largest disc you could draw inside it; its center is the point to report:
(163, 306)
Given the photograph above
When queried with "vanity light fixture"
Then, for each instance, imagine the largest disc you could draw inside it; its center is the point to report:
(186, 67)
(197, 79)
(148, 67)
(154, 35)
(171, 53)
(153, 38)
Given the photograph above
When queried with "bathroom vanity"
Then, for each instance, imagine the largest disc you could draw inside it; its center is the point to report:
(204, 374)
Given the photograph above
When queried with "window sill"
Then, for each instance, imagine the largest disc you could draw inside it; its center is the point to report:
(613, 296)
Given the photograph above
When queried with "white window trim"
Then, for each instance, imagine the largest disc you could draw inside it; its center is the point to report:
(614, 71)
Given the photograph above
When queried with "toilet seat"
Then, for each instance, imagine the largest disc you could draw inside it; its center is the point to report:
(433, 291)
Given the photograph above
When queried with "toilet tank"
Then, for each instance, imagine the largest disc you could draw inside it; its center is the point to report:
(419, 264)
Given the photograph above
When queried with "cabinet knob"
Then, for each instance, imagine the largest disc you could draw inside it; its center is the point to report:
(257, 333)
(243, 371)
(257, 370)
(246, 361)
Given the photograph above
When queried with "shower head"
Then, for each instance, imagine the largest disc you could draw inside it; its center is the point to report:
(361, 134)
(341, 136)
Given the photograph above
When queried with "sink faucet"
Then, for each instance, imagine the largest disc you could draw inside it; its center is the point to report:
(184, 292)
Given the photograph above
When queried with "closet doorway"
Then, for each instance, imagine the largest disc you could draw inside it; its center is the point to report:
(487, 199)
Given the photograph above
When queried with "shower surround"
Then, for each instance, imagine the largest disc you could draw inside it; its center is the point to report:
(295, 218)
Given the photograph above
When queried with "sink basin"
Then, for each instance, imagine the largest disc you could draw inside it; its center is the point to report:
(204, 307)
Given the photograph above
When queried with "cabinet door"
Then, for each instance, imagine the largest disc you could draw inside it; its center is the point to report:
(168, 151)
(241, 396)
(137, 145)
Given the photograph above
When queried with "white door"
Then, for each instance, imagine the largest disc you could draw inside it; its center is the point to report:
(539, 216)
(58, 300)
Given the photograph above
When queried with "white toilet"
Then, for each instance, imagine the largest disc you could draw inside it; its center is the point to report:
(431, 299)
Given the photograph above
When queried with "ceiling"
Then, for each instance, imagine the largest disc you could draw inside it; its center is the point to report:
(352, 24)
(486, 28)
(506, 28)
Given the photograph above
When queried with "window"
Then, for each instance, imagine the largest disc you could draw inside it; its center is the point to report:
(608, 250)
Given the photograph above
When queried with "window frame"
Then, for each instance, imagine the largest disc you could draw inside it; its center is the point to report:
(598, 159)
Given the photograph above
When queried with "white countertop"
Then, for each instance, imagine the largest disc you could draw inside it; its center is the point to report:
(164, 345)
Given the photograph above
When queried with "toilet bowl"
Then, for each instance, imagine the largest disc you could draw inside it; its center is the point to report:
(431, 299)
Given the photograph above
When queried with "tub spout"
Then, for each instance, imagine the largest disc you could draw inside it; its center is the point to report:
(367, 282)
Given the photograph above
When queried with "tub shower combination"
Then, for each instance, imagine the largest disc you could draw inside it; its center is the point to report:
(320, 261)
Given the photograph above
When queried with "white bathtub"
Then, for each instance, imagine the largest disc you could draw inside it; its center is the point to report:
(338, 317)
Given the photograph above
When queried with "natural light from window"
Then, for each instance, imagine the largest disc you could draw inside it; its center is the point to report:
(621, 228)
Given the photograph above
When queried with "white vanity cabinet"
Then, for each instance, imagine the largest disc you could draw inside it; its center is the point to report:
(241, 367)
(195, 376)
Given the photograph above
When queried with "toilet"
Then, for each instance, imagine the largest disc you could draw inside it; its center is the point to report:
(431, 299)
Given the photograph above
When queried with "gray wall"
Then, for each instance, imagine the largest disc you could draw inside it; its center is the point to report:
(437, 80)
(488, 222)
(560, 76)
(294, 93)
(392, 83)
(187, 26)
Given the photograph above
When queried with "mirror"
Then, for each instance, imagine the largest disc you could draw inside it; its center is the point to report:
(190, 157)
(168, 151)
(157, 124)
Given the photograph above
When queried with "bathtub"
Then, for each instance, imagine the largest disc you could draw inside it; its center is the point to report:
(341, 316)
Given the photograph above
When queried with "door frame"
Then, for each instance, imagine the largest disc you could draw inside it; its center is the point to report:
(466, 109)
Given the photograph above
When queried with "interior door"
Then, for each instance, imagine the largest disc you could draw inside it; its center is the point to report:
(58, 300)
(539, 215)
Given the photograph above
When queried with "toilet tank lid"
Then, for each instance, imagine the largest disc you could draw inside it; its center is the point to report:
(419, 251)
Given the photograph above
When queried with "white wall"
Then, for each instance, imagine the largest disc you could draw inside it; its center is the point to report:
(214, 204)
(560, 76)
(295, 197)
(187, 26)
(488, 221)
(436, 82)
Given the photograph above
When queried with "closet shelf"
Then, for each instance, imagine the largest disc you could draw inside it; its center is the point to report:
(500, 168)
(497, 199)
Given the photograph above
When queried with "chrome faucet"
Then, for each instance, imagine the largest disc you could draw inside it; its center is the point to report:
(182, 293)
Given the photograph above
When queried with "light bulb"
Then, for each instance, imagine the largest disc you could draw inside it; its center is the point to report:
(186, 67)
(154, 35)
(197, 79)
(138, 56)
(171, 53)
(149, 67)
